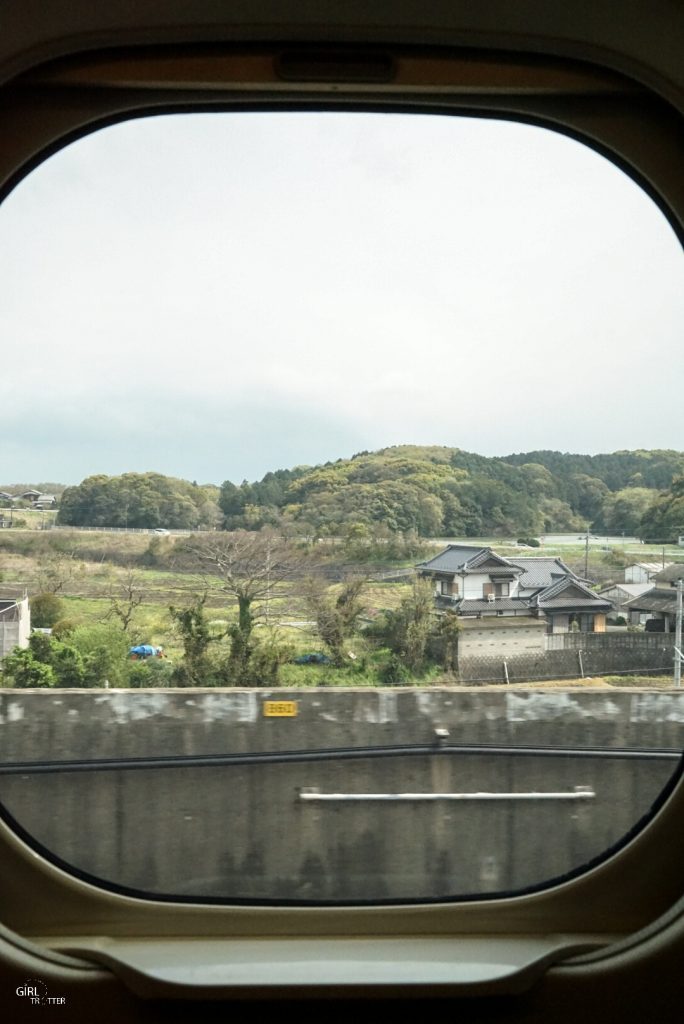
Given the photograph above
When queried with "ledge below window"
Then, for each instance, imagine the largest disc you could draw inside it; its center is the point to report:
(205, 968)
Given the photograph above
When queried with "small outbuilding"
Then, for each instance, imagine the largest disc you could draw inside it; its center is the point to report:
(644, 572)
(659, 603)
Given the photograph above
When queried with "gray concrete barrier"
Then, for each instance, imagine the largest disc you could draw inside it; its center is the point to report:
(432, 821)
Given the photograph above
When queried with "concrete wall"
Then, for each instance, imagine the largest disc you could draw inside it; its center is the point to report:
(486, 637)
(244, 831)
(15, 625)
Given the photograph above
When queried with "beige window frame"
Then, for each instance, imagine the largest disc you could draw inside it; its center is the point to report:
(102, 942)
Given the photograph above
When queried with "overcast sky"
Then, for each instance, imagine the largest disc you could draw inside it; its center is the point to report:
(214, 296)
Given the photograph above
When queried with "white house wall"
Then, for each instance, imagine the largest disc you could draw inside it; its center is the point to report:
(473, 585)
(520, 640)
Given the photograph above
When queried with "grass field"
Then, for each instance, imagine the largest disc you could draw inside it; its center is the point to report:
(31, 519)
(90, 571)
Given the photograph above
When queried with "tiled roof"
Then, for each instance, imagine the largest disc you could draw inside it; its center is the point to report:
(556, 596)
(452, 559)
(655, 600)
(631, 589)
(462, 558)
(541, 572)
(570, 603)
(671, 573)
(487, 555)
(508, 571)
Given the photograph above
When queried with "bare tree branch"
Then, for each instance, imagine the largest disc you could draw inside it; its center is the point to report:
(250, 566)
(125, 599)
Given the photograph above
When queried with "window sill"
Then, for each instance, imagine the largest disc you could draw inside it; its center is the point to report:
(205, 968)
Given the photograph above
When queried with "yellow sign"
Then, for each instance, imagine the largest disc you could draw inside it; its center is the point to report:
(280, 708)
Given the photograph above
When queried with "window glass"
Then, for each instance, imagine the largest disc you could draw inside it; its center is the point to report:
(286, 615)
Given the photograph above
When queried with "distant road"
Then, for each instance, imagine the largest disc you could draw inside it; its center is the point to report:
(595, 540)
(124, 529)
(552, 539)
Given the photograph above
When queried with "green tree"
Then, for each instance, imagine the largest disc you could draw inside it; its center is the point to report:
(558, 516)
(232, 501)
(269, 652)
(448, 629)
(586, 495)
(410, 626)
(139, 500)
(46, 610)
(624, 510)
(432, 490)
(250, 568)
(104, 649)
(68, 665)
(22, 669)
(45, 662)
(197, 667)
(664, 520)
(335, 614)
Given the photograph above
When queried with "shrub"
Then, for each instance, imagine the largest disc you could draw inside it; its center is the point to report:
(104, 649)
(68, 665)
(410, 626)
(24, 670)
(157, 552)
(394, 672)
(448, 630)
(64, 627)
(139, 675)
(265, 660)
(46, 610)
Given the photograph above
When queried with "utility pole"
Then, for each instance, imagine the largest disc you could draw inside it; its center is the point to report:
(586, 556)
(268, 582)
(678, 658)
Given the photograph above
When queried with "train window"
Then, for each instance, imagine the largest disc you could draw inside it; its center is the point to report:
(339, 308)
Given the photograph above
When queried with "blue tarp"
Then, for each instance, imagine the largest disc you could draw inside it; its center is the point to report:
(312, 659)
(145, 651)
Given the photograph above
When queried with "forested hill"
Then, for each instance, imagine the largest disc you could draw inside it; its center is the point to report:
(655, 469)
(430, 491)
(439, 491)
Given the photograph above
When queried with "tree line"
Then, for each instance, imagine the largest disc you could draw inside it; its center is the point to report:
(407, 491)
(139, 501)
(439, 491)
